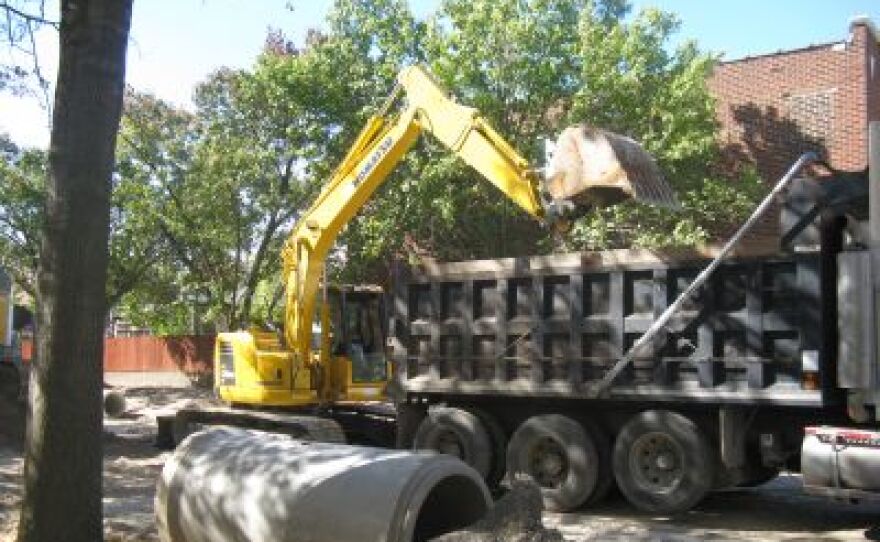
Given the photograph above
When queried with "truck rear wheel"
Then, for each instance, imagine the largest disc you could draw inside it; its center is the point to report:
(459, 433)
(562, 457)
(662, 462)
(498, 441)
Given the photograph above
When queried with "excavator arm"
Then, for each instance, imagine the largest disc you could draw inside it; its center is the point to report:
(379, 147)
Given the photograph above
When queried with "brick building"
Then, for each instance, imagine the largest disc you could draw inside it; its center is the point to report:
(774, 107)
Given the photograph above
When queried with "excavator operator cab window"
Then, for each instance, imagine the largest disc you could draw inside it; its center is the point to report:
(335, 304)
(363, 338)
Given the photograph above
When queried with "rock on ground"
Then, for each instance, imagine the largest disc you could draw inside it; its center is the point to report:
(516, 517)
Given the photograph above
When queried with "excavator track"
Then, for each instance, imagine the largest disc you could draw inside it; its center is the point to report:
(173, 429)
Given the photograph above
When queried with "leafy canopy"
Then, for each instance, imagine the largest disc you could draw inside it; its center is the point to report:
(268, 137)
(210, 196)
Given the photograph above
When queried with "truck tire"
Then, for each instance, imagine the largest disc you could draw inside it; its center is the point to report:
(561, 456)
(605, 480)
(456, 432)
(662, 462)
(498, 441)
(409, 417)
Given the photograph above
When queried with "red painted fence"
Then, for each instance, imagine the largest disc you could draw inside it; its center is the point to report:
(190, 354)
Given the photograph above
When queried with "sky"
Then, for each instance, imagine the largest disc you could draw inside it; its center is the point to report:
(175, 44)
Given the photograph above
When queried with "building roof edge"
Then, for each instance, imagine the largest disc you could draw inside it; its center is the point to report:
(865, 20)
(781, 52)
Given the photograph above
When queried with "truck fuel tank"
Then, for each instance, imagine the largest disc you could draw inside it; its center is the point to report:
(841, 462)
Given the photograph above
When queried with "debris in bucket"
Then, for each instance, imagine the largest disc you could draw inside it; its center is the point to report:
(591, 166)
(516, 517)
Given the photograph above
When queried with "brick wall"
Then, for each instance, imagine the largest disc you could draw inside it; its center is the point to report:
(774, 107)
(872, 64)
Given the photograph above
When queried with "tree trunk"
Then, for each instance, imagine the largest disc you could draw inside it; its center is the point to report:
(253, 280)
(63, 459)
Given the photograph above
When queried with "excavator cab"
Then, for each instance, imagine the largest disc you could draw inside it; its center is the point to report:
(359, 333)
(256, 366)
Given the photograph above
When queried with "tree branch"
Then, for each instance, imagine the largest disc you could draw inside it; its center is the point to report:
(28, 17)
(131, 279)
(257, 265)
(42, 82)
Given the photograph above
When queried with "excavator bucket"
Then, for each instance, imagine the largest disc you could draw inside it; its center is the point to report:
(591, 167)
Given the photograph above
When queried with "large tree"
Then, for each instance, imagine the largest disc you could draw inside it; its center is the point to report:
(62, 488)
(233, 177)
(230, 179)
(269, 136)
(146, 270)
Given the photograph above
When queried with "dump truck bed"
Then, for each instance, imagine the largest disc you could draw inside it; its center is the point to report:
(552, 326)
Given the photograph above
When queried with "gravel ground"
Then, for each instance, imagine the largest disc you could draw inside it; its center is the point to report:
(777, 511)
(131, 464)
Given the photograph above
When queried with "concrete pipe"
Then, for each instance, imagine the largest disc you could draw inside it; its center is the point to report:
(234, 484)
(114, 403)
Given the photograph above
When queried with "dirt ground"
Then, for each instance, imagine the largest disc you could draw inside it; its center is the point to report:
(131, 463)
(777, 511)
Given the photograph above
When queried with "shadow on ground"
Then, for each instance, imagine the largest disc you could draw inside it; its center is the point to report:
(776, 511)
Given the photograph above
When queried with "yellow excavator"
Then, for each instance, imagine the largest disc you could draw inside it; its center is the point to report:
(339, 357)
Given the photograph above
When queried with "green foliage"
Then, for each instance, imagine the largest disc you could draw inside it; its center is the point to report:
(266, 139)
(532, 67)
(229, 179)
(631, 84)
(22, 182)
(153, 147)
(205, 200)
(708, 211)
(136, 247)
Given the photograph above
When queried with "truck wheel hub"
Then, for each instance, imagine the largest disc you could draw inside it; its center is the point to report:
(665, 461)
(549, 464)
(656, 462)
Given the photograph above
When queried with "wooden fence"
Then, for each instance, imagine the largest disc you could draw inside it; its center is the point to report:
(190, 354)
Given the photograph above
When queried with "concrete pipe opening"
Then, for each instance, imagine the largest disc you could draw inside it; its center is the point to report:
(453, 503)
(234, 484)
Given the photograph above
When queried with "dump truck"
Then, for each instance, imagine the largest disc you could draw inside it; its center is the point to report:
(323, 373)
(666, 373)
